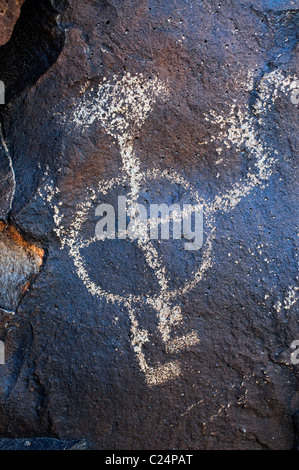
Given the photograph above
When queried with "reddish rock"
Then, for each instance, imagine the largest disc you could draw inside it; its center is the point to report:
(9, 13)
(20, 261)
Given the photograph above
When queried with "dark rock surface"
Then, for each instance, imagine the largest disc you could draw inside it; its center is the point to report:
(42, 444)
(146, 345)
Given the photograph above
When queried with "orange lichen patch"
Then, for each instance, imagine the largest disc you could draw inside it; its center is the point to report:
(15, 235)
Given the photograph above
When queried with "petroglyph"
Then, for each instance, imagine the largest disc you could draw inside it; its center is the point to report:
(7, 179)
(290, 299)
(122, 105)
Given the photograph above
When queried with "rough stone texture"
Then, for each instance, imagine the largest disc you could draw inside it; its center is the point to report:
(20, 261)
(9, 13)
(146, 346)
(7, 181)
(42, 444)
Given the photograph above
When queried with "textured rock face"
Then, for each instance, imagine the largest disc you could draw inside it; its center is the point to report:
(142, 344)
(41, 444)
(9, 13)
(19, 262)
